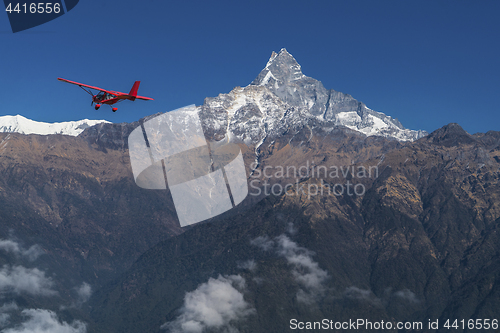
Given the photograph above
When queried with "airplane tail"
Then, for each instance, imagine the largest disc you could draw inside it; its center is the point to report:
(133, 91)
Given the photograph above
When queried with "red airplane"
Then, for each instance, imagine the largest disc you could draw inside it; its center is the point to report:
(108, 96)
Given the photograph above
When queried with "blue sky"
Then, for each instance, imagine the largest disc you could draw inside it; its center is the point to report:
(427, 63)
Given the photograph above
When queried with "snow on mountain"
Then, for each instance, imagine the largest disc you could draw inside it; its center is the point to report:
(281, 98)
(283, 76)
(20, 124)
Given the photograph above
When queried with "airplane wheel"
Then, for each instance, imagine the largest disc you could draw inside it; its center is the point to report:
(97, 106)
(114, 109)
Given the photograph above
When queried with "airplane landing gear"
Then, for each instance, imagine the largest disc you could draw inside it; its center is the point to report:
(97, 106)
(114, 109)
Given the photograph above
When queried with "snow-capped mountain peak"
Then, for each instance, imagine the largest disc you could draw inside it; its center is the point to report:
(20, 124)
(282, 68)
(283, 76)
(273, 55)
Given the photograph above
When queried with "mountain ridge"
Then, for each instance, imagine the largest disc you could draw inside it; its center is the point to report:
(23, 125)
(279, 97)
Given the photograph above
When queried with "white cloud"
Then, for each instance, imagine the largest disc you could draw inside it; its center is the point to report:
(12, 306)
(9, 246)
(407, 295)
(84, 292)
(365, 295)
(4, 319)
(32, 253)
(46, 321)
(216, 304)
(358, 293)
(368, 296)
(305, 270)
(258, 280)
(249, 265)
(290, 228)
(4, 316)
(19, 279)
(263, 242)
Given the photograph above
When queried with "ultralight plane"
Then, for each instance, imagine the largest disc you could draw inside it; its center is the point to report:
(108, 96)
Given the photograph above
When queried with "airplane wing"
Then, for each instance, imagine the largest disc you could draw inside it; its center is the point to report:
(145, 98)
(83, 85)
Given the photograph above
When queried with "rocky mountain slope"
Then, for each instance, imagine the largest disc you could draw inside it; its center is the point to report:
(421, 243)
(80, 206)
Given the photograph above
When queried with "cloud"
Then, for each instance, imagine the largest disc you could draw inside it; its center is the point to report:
(305, 270)
(358, 293)
(12, 306)
(32, 253)
(290, 228)
(216, 304)
(362, 294)
(368, 296)
(46, 321)
(4, 316)
(19, 279)
(258, 280)
(4, 319)
(84, 292)
(263, 242)
(9, 246)
(249, 265)
(407, 295)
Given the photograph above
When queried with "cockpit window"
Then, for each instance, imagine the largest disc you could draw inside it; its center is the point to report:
(102, 96)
